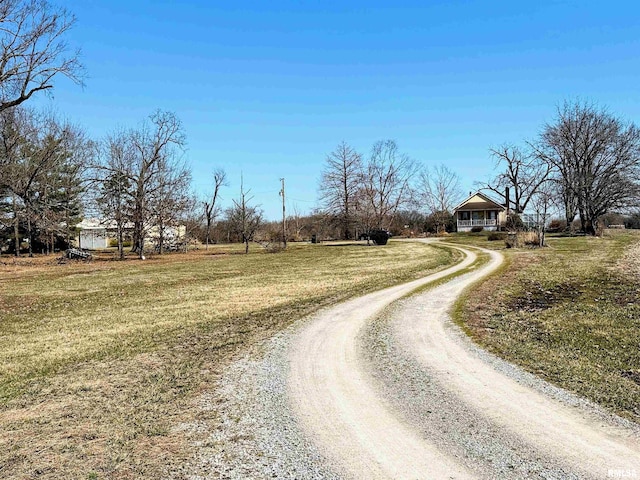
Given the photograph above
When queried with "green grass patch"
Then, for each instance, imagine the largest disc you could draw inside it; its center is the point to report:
(569, 313)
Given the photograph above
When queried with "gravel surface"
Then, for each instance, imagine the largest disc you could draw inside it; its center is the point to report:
(424, 401)
(499, 420)
(367, 390)
(256, 436)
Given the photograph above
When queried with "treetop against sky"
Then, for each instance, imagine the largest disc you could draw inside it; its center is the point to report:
(270, 88)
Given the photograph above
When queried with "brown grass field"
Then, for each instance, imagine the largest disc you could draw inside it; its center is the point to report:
(100, 361)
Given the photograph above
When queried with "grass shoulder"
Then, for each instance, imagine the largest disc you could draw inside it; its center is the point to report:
(569, 313)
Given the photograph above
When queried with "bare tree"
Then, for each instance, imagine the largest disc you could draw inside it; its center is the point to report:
(542, 201)
(192, 220)
(212, 208)
(523, 173)
(15, 126)
(113, 179)
(440, 191)
(33, 51)
(298, 221)
(386, 185)
(596, 156)
(339, 184)
(157, 145)
(244, 219)
(169, 201)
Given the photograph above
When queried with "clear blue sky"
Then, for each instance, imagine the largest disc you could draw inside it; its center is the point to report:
(270, 88)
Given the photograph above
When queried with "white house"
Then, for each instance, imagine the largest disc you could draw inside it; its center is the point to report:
(94, 234)
(479, 210)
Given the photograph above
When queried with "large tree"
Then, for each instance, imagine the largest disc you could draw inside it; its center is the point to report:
(596, 158)
(387, 184)
(521, 171)
(33, 50)
(439, 190)
(41, 168)
(114, 181)
(170, 200)
(341, 179)
(142, 181)
(157, 146)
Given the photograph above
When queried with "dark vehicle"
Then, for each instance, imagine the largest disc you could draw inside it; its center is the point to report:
(377, 236)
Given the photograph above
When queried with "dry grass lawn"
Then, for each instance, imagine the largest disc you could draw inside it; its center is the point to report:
(99, 361)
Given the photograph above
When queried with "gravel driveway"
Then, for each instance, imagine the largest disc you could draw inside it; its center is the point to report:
(384, 386)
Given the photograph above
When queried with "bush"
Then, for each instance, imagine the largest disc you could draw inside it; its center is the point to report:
(632, 221)
(477, 229)
(556, 225)
(113, 242)
(514, 222)
(439, 222)
(522, 239)
(528, 239)
(493, 236)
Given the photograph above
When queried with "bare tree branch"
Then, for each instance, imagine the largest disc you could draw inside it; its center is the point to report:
(33, 51)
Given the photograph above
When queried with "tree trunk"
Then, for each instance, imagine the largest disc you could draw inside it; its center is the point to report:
(583, 221)
(208, 234)
(68, 230)
(569, 218)
(16, 226)
(589, 227)
(120, 242)
(30, 234)
(246, 245)
(160, 237)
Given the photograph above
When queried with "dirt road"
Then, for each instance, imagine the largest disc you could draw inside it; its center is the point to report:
(405, 395)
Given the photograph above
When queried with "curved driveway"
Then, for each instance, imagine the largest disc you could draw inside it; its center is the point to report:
(364, 434)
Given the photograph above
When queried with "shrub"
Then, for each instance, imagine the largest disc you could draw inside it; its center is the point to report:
(493, 236)
(477, 229)
(528, 239)
(522, 239)
(632, 221)
(556, 225)
(510, 241)
(113, 242)
(514, 222)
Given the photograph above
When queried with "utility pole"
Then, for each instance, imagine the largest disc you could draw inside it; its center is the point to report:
(284, 217)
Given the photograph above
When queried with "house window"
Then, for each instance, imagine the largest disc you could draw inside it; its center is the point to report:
(464, 215)
(492, 214)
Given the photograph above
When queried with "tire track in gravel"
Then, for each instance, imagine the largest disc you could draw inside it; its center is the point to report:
(338, 408)
(585, 440)
(520, 430)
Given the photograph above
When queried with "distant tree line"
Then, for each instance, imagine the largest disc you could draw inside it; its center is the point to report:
(385, 190)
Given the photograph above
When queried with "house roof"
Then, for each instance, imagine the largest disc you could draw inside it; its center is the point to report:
(100, 224)
(92, 224)
(488, 203)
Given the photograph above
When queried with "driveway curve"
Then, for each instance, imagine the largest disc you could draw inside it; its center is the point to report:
(339, 399)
